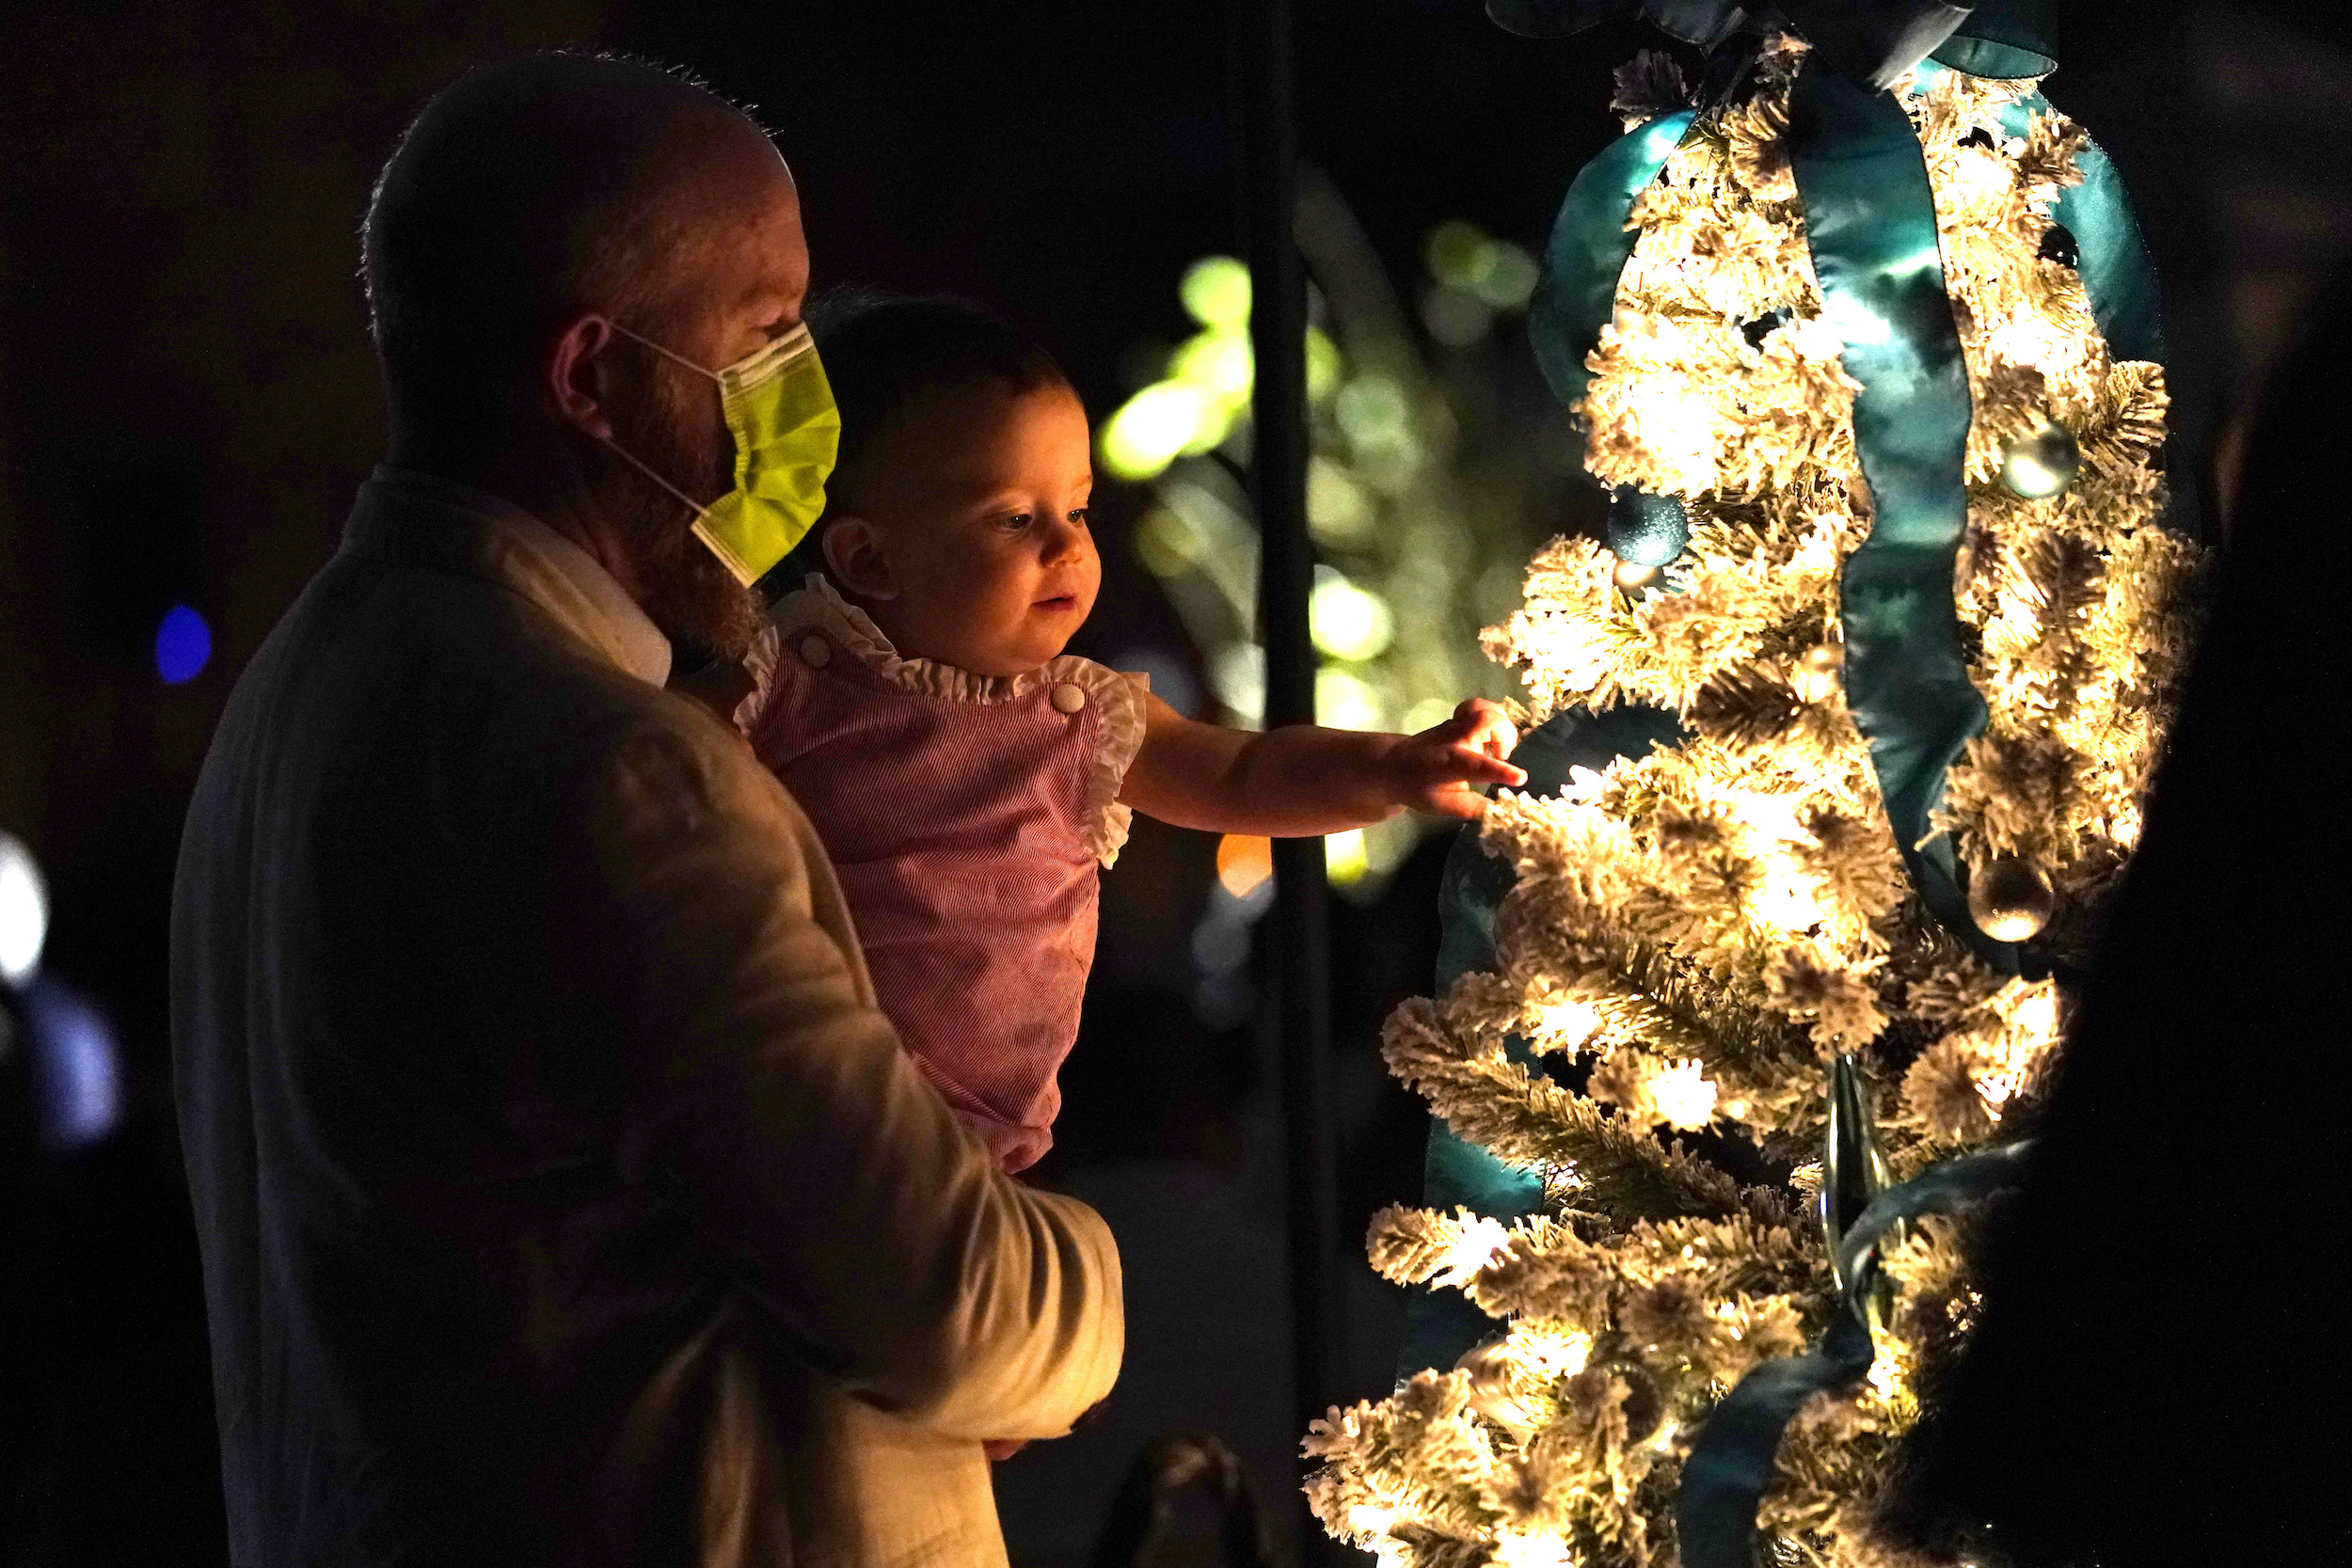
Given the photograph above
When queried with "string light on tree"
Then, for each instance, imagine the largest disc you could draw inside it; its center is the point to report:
(1815, 678)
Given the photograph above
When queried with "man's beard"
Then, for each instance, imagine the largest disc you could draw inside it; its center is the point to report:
(685, 590)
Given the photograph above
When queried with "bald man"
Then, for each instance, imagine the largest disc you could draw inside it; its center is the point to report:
(564, 1197)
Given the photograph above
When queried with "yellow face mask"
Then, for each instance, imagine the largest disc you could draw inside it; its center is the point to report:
(779, 408)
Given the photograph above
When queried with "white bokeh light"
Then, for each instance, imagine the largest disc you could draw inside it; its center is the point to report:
(24, 911)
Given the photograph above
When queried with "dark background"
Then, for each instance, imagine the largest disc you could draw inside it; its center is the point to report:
(187, 403)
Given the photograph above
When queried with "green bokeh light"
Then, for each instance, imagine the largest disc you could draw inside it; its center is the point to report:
(1338, 510)
(1348, 622)
(1347, 702)
(1458, 254)
(1219, 363)
(1215, 292)
(1156, 426)
(1371, 410)
(1323, 365)
(1465, 259)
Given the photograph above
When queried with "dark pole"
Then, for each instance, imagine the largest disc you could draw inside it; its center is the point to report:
(1266, 73)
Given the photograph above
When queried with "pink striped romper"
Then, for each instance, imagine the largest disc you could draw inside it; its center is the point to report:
(967, 817)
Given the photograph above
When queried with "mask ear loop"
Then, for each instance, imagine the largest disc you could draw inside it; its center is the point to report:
(703, 530)
(734, 382)
(666, 354)
(779, 355)
(697, 508)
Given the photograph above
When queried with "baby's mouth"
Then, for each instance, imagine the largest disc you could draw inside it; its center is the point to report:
(1059, 601)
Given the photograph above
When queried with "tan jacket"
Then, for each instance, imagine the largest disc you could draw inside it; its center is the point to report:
(564, 1197)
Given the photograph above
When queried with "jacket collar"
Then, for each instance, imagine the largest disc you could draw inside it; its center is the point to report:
(460, 529)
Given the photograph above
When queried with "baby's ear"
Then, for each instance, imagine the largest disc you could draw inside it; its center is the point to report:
(853, 554)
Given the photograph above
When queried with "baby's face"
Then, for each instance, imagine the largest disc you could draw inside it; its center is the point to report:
(979, 514)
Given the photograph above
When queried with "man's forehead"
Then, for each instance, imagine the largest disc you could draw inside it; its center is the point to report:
(777, 279)
(737, 238)
(771, 253)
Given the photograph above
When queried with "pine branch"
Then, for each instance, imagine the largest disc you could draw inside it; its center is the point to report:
(1491, 1100)
(1739, 1042)
(1746, 705)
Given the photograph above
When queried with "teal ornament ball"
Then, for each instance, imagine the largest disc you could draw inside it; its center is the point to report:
(1645, 530)
(2041, 462)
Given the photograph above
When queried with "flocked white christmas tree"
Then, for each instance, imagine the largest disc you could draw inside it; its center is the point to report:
(1707, 926)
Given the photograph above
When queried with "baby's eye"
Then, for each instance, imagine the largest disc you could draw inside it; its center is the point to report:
(1015, 522)
(1084, 517)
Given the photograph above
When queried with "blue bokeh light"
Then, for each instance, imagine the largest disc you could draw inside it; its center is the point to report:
(184, 644)
(77, 1071)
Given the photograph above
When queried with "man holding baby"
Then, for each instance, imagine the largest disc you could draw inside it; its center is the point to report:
(564, 1196)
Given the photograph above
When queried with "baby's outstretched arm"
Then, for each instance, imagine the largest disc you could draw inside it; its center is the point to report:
(1300, 781)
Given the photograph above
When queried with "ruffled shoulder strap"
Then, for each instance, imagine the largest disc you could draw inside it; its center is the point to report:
(1117, 700)
(779, 684)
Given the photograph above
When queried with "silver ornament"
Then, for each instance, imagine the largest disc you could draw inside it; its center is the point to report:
(2041, 462)
(1854, 1170)
(2009, 901)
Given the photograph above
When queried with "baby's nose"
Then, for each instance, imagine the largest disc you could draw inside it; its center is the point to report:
(1064, 541)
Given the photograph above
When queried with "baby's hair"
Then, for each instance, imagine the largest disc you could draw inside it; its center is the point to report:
(891, 358)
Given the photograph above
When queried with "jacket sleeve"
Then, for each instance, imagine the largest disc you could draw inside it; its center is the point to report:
(701, 936)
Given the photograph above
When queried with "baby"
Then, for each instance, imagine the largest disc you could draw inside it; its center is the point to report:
(966, 775)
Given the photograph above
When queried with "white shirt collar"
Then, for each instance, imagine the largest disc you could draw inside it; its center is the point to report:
(644, 651)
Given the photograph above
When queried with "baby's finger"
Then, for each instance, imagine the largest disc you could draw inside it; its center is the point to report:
(1486, 768)
(1490, 726)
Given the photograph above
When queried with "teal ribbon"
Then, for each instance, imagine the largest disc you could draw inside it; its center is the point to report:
(1588, 249)
(2003, 39)
(2112, 259)
(1705, 22)
(1870, 225)
(1732, 1463)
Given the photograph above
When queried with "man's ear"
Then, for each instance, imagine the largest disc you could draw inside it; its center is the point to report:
(580, 376)
(853, 554)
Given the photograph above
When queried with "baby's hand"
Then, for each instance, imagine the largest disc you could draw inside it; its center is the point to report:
(1441, 770)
